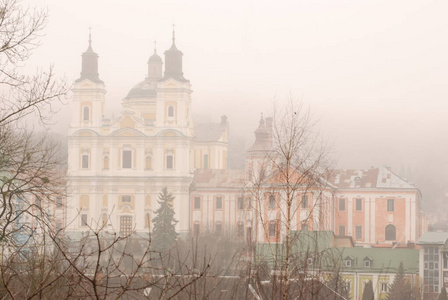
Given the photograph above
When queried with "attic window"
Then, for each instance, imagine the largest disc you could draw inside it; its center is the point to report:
(367, 263)
(348, 262)
(309, 260)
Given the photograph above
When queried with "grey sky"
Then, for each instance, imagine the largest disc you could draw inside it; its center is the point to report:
(374, 72)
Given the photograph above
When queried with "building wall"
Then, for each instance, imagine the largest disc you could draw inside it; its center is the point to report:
(374, 215)
(132, 156)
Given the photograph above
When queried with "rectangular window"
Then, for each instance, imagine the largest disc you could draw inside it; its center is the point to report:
(127, 159)
(248, 202)
(240, 203)
(197, 203)
(342, 230)
(342, 204)
(38, 202)
(85, 113)
(249, 234)
(240, 231)
(196, 228)
(358, 204)
(84, 220)
(358, 232)
(304, 202)
(59, 201)
(126, 199)
(272, 230)
(271, 202)
(205, 161)
(390, 205)
(218, 229)
(347, 285)
(125, 225)
(218, 203)
(85, 161)
(169, 162)
(383, 287)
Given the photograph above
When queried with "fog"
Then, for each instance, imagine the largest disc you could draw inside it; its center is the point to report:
(373, 72)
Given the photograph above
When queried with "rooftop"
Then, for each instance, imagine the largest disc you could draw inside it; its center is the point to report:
(382, 177)
(433, 238)
(218, 178)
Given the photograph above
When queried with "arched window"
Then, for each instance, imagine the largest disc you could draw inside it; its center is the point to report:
(148, 162)
(272, 229)
(147, 220)
(85, 113)
(170, 111)
(170, 161)
(106, 162)
(104, 217)
(218, 228)
(85, 164)
(391, 233)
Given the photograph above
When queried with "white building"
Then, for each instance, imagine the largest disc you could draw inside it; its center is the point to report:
(118, 166)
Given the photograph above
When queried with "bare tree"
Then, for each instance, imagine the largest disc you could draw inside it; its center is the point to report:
(288, 174)
(22, 94)
(31, 167)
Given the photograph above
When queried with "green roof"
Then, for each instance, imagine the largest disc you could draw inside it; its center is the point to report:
(382, 259)
(319, 245)
(433, 238)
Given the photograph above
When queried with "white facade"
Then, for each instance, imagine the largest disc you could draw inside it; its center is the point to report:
(118, 166)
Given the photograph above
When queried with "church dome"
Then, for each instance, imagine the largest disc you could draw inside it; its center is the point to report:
(155, 58)
(144, 89)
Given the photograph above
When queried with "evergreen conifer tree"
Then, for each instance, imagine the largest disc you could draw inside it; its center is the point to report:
(368, 291)
(442, 295)
(401, 288)
(164, 233)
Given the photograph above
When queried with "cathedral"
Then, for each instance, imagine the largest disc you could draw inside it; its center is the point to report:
(117, 167)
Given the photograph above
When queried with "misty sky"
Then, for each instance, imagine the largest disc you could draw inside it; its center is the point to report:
(373, 72)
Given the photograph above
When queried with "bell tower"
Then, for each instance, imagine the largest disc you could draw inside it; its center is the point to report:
(88, 93)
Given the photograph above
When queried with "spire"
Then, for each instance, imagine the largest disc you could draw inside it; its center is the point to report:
(90, 63)
(262, 135)
(90, 38)
(173, 62)
(155, 65)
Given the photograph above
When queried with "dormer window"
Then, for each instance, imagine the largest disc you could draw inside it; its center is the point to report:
(348, 261)
(368, 262)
